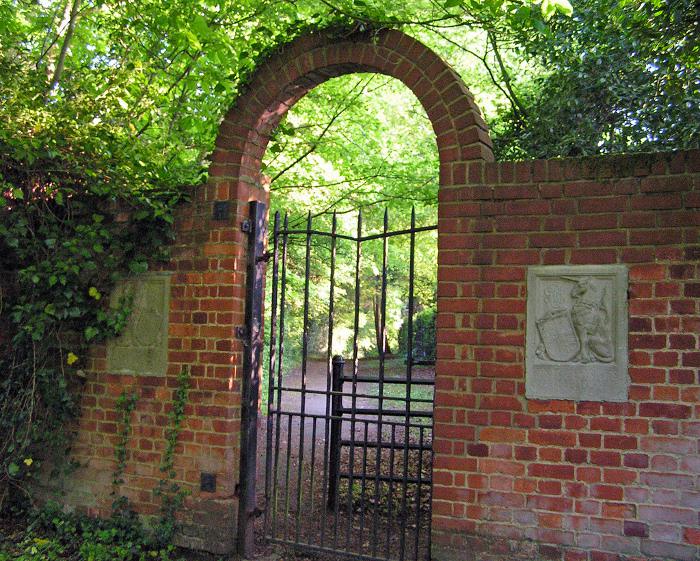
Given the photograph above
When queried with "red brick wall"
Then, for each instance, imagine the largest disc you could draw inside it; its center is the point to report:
(206, 304)
(593, 481)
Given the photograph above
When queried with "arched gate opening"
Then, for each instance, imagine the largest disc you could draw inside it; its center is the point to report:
(462, 138)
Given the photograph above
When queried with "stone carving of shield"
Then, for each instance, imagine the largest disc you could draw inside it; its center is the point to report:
(558, 336)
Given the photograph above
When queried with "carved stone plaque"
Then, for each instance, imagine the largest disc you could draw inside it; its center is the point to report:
(142, 348)
(576, 341)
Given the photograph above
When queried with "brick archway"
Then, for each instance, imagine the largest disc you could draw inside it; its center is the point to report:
(461, 134)
(514, 474)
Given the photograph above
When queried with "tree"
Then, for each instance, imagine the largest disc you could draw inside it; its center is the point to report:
(616, 77)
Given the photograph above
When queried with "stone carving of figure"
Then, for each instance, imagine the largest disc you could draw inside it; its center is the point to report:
(591, 322)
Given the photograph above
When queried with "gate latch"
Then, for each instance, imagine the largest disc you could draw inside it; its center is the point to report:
(247, 226)
(241, 332)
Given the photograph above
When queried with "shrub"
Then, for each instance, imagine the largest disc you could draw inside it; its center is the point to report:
(52, 535)
(423, 335)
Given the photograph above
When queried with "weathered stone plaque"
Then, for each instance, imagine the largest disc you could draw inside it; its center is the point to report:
(142, 348)
(576, 340)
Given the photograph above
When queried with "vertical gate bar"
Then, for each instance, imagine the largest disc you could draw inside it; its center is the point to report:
(355, 358)
(390, 501)
(382, 358)
(409, 374)
(280, 360)
(329, 381)
(364, 482)
(304, 354)
(288, 468)
(251, 378)
(418, 491)
(271, 368)
(313, 463)
(335, 436)
(430, 494)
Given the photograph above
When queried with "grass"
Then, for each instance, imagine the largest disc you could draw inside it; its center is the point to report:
(394, 368)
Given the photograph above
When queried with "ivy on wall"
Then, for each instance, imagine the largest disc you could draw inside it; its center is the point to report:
(77, 212)
(92, 167)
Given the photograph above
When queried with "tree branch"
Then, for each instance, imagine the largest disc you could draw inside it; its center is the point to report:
(342, 109)
(520, 113)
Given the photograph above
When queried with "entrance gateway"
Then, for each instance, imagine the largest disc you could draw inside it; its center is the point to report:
(348, 442)
(236, 174)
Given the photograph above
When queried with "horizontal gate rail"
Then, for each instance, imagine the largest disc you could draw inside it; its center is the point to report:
(360, 238)
(402, 381)
(390, 412)
(321, 416)
(350, 394)
(394, 478)
(387, 445)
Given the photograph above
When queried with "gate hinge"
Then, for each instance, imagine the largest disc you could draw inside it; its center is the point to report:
(247, 226)
(241, 332)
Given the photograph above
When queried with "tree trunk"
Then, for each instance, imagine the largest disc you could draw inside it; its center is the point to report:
(380, 336)
(61, 62)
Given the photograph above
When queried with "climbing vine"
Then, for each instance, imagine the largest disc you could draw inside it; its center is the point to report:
(126, 403)
(87, 196)
(169, 492)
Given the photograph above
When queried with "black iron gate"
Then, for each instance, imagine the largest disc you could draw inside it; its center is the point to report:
(348, 464)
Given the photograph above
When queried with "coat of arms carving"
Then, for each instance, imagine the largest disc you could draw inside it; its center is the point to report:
(577, 328)
(576, 338)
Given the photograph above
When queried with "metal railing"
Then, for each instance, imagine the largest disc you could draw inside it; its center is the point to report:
(352, 477)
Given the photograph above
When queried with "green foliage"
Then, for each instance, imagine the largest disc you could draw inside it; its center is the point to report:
(52, 535)
(423, 335)
(126, 403)
(64, 241)
(616, 77)
(359, 142)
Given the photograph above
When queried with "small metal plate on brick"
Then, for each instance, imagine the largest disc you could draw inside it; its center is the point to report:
(576, 342)
(222, 210)
(207, 482)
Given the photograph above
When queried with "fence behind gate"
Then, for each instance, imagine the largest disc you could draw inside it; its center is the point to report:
(348, 461)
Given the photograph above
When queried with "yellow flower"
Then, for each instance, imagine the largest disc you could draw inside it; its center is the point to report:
(72, 359)
(94, 293)
(28, 462)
